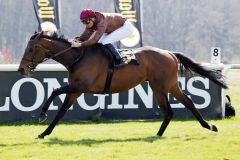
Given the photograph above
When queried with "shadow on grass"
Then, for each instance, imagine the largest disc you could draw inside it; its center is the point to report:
(90, 142)
(85, 142)
(189, 138)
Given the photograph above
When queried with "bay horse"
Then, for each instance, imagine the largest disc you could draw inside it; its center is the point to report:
(87, 68)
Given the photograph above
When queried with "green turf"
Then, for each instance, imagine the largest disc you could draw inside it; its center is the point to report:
(126, 140)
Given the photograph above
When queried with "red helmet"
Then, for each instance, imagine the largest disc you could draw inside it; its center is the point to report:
(87, 13)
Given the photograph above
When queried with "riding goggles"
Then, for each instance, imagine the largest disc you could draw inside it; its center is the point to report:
(86, 21)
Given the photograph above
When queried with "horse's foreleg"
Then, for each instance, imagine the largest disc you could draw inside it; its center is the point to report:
(65, 89)
(70, 98)
(43, 115)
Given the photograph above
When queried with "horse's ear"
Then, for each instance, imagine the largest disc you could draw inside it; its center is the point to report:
(39, 35)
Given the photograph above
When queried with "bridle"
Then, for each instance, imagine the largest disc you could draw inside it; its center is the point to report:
(34, 63)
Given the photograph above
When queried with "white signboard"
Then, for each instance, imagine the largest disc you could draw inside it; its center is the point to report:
(215, 55)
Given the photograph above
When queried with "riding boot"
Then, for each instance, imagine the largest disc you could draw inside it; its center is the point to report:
(115, 53)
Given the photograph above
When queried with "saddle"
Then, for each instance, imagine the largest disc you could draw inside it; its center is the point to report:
(127, 56)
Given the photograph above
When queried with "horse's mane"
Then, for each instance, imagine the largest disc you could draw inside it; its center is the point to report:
(54, 36)
(59, 37)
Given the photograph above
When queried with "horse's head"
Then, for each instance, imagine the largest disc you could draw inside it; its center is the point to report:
(34, 54)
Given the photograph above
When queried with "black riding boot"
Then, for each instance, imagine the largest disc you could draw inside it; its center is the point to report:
(115, 53)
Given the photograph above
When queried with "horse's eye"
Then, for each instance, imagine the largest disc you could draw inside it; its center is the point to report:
(30, 50)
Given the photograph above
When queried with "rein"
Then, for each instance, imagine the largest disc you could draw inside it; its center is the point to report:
(63, 51)
(33, 62)
(57, 54)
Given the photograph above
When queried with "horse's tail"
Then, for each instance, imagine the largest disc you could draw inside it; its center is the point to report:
(190, 65)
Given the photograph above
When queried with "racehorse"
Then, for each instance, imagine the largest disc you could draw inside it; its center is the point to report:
(87, 68)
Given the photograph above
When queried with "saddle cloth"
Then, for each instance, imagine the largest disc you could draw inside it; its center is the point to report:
(128, 56)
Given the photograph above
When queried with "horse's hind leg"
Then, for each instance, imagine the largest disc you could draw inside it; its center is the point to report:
(187, 102)
(165, 108)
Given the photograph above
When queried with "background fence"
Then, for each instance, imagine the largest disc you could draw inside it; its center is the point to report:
(22, 98)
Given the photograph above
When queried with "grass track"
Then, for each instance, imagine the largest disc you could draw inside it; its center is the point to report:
(122, 140)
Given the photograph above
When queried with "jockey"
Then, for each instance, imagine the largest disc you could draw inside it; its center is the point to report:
(104, 28)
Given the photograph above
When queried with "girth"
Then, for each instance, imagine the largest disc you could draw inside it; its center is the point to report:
(110, 70)
(128, 57)
(108, 80)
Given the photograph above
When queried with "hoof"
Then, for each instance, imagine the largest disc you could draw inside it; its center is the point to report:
(42, 117)
(40, 136)
(213, 128)
(159, 134)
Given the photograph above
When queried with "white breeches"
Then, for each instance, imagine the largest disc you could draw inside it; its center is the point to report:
(119, 34)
